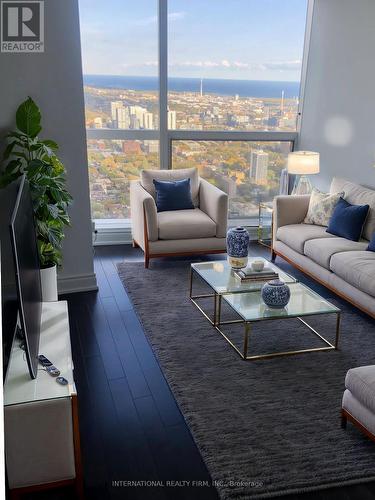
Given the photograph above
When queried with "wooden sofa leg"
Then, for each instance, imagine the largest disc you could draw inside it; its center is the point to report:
(147, 260)
(145, 236)
(343, 420)
(135, 244)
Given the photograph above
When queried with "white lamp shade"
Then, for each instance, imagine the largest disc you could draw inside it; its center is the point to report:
(303, 162)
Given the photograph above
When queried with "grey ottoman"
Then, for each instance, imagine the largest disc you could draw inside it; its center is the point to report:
(358, 402)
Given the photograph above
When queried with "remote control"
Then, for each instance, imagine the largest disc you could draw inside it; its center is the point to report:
(44, 361)
(53, 371)
(62, 381)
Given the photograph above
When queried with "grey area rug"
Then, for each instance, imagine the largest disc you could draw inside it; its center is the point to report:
(264, 428)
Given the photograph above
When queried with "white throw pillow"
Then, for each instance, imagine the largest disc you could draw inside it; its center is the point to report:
(321, 207)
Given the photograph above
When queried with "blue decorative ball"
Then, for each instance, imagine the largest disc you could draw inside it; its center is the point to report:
(275, 294)
(238, 247)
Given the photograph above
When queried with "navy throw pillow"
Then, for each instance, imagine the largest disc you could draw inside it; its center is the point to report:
(173, 195)
(347, 220)
(371, 245)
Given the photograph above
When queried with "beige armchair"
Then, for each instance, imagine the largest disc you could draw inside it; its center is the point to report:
(201, 230)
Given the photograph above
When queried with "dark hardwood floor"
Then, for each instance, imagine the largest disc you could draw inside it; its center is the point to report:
(131, 426)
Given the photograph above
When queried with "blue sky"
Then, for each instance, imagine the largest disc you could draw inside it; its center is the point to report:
(238, 39)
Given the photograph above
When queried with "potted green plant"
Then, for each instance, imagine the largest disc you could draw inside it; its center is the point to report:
(27, 154)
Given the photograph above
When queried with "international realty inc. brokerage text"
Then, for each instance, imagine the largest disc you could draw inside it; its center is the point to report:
(185, 484)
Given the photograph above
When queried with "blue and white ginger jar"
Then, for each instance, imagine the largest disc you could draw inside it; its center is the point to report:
(238, 247)
(275, 294)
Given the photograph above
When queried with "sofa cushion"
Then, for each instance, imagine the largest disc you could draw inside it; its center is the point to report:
(320, 250)
(295, 235)
(173, 195)
(357, 268)
(361, 383)
(371, 245)
(358, 195)
(185, 224)
(148, 176)
(321, 206)
(348, 220)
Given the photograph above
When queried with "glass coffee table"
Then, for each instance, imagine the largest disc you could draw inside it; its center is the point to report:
(220, 278)
(245, 300)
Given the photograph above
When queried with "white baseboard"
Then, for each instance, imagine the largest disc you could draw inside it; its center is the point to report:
(77, 283)
(123, 236)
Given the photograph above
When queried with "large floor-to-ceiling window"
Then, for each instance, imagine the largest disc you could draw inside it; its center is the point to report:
(204, 83)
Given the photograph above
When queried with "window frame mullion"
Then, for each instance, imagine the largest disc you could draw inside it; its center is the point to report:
(164, 154)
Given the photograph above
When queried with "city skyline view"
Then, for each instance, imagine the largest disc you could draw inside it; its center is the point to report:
(247, 82)
(118, 107)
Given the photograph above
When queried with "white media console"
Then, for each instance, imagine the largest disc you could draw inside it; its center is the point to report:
(42, 443)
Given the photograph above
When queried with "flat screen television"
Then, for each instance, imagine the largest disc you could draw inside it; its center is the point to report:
(26, 262)
(9, 298)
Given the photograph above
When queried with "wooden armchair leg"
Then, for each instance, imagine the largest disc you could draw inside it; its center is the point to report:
(273, 256)
(147, 261)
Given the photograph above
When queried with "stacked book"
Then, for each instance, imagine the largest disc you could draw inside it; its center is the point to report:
(248, 274)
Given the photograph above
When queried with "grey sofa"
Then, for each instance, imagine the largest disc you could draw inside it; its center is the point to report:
(358, 402)
(344, 266)
(201, 230)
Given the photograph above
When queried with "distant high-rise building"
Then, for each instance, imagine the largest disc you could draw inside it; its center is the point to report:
(259, 166)
(122, 118)
(201, 87)
(138, 111)
(137, 117)
(98, 122)
(172, 118)
(148, 121)
(282, 103)
(114, 106)
(134, 122)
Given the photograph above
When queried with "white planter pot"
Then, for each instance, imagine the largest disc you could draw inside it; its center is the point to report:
(48, 278)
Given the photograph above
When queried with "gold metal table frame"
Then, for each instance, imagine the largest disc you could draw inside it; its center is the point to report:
(243, 353)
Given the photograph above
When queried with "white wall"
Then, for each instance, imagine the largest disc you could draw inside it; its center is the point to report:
(339, 106)
(54, 80)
